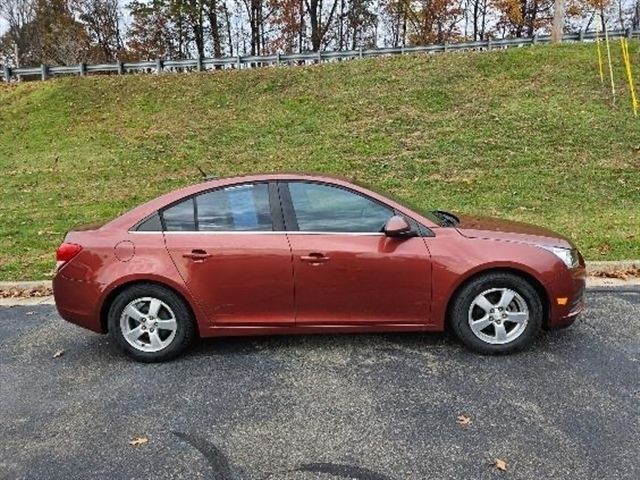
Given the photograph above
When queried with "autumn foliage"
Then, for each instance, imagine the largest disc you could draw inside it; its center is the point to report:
(71, 31)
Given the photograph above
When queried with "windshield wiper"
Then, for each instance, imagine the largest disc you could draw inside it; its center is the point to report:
(448, 219)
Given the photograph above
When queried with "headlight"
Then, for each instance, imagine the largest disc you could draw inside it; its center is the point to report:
(568, 255)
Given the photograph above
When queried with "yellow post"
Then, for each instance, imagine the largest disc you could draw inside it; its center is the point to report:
(627, 67)
(600, 67)
(613, 86)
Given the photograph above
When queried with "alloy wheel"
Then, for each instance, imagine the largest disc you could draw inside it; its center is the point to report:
(148, 324)
(498, 316)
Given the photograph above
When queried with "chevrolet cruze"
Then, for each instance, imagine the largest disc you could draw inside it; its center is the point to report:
(285, 253)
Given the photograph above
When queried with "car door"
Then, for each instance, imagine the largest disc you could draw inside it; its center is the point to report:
(346, 271)
(230, 249)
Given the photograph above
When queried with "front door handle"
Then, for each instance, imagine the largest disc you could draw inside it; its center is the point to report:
(315, 258)
(197, 255)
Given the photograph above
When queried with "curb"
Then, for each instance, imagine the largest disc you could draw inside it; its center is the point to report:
(600, 267)
(31, 284)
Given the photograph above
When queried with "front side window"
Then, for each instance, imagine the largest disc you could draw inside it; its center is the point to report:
(325, 208)
(235, 208)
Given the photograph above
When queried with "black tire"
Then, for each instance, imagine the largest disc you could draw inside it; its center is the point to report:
(459, 312)
(185, 330)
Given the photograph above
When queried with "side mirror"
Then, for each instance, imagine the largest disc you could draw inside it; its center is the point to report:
(397, 226)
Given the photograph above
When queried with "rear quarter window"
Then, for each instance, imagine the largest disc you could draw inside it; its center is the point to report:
(151, 224)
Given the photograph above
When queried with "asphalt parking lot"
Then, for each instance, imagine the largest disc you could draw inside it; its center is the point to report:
(375, 407)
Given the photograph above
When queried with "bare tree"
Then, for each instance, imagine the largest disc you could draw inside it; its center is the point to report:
(256, 24)
(476, 10)
(19, 15)
(213, 13)
(319, 22)
(361, 23)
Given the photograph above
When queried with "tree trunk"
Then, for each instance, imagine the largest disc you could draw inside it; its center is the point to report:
(484, 20)
(215, 29)
(228, 22)
(313, 7)
(301, 29)
(557, 29)
(341, 41)
(198, 35)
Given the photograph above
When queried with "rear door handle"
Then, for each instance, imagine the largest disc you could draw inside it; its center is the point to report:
(197, 255)
(315, 257)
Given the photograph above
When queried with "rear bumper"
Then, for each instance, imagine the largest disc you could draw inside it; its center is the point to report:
(566, 297)
(77, 302)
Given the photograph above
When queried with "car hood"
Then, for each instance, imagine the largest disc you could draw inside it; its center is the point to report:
(509, 230)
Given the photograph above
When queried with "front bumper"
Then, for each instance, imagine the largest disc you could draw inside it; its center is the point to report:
(566, 297)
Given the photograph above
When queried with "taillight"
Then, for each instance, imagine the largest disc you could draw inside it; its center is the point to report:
(66, 252)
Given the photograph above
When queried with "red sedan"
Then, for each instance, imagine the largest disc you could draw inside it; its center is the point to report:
(283, 253)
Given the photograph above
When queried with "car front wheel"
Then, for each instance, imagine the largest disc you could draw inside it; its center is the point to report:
(150, 323)
(497, 313)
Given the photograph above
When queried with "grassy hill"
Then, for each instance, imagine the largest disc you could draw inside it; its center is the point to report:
(528, 134)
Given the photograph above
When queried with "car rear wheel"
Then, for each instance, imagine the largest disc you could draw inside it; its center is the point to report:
(497, 313)
(151, 323)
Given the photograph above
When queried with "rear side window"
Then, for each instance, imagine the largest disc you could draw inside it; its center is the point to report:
(239, 208)
(180, 217)
(236, 208)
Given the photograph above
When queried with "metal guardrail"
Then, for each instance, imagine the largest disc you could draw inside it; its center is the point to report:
(253, 61)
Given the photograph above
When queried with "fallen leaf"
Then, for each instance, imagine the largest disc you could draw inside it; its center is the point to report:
(622, 274)
(30, 313)
(500, 464)
(137, 441)
(463, 420)
(25, 292)
(603, 248)
(58, 353)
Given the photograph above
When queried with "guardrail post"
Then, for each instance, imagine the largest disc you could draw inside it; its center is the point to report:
(159, 66)
(199, 64)
(278, 59)
(238, 62)
(44, 72)
(534, 40)
(319, 56)
(83, 69)
(120, 68)
(444, 47)
(488, 44)
(629, 32)
(7, 73)
(581, 35)
(360, 52)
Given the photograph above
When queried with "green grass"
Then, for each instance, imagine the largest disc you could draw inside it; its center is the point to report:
(528, 134)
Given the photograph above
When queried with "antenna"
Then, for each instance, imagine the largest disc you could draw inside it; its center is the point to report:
(204, 174)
